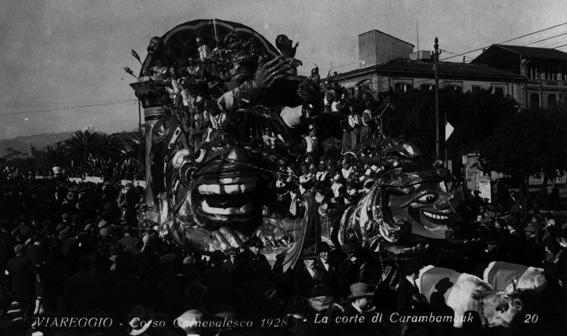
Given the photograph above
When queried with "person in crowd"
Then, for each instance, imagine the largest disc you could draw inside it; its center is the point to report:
(23, 280)
(310, 143)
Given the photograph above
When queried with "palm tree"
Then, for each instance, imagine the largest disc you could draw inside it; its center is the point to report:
(90, 150)
(56, 155)
(132, 152)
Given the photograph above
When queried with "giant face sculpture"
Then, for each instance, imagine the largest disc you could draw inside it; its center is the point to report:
(223, 184)
(209, 162)
(422, 200)
(408, 203)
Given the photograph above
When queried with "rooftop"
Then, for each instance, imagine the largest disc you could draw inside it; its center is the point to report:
(546, 53)
(409, 67)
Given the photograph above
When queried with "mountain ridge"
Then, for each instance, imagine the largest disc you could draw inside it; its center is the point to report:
(39, 141)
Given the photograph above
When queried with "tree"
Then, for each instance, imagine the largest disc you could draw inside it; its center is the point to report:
(132, 150)
(528, 143)
(474, 115)
(13, 153)
(93, 150)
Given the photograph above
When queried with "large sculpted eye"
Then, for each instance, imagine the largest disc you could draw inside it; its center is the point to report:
(200, 155)
(427, 198)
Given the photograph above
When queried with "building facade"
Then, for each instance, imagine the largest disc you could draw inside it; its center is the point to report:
(405, 74)
(376, 47)
(388, 62)
(544, 71)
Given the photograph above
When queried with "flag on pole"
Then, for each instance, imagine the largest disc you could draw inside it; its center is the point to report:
(448, 130)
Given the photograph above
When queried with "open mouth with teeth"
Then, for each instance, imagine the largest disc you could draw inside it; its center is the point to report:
(430, 222)
(226, 195)
(435, 221)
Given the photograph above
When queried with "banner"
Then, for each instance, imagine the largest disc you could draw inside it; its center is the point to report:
(476, 179)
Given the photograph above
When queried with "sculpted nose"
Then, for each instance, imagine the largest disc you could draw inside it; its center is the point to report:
(441, 204)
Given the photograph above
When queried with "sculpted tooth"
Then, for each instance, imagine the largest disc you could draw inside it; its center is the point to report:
(225, 211)
(235, 180)
(217, 189)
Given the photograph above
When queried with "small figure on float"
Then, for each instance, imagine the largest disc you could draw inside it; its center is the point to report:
(288, 50)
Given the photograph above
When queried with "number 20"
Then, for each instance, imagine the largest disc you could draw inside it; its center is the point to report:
(531, 318)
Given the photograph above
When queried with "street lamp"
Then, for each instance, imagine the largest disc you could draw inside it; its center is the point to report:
(436, 70)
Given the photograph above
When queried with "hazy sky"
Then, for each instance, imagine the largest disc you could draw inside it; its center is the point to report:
(57, 54)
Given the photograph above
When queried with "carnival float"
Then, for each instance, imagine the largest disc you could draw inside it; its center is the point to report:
(207, 186)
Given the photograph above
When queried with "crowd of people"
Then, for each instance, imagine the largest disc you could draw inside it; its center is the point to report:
(80, 249)
(71, 249)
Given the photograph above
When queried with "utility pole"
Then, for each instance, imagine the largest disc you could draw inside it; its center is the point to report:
(540, 88)
(436, 70)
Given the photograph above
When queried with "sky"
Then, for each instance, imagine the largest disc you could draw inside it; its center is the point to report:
(61, 54)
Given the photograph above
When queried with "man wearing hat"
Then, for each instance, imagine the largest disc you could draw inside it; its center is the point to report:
(356, 317)
(21, 273)
(304, 312)
(327, 269)
(360, 299)
(322, 175)
(307, 274)
(347, 270)
(310, 143)
(190, 321)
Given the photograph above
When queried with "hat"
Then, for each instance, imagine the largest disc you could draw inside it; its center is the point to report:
(195, 290)
(19, 249)
(188, 260)
(104, 232)
(360, 290)
(321, 290)
(351, 247)
(309, 253)
(102, 223)
(225, 311)
(530, 228)
(139, 313)
(167, 258)
(324, 247)
(189, 321)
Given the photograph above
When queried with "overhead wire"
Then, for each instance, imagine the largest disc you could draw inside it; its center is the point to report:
(545, 39)
(560, 46)
(506, 41)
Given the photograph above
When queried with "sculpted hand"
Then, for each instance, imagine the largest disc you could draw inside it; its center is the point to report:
(271, 71)
(225, 239)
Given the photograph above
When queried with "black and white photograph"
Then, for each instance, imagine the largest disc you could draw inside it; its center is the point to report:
(283, 168)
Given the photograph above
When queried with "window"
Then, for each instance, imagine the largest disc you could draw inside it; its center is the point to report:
(456, 86)
(551, 100)
(427, 87)
(532, 72)
(534, 100)
(403, 86)
(499, 90)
